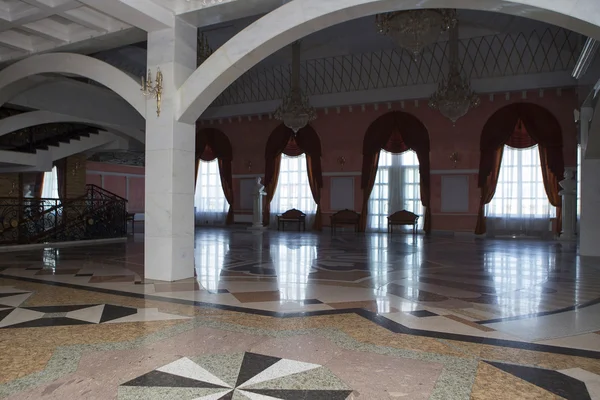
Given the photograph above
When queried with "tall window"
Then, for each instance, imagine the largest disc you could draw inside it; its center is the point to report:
(50, 185)
(520, 204)
(397, 187)
(293, 188)
(209, 201)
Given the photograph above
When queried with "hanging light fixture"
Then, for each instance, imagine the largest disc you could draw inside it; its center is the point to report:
(454, 96)
(295, 110)
(416, 29)
(203, 49)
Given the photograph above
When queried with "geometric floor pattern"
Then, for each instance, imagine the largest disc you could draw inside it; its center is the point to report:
(13, 316)
(492, 289)
(235, 377)
(555, 382)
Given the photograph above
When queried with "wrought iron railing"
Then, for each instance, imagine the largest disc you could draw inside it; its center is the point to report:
(97, 215)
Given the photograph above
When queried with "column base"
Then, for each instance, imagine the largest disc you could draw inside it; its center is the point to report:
(567, 238)
(257, 228)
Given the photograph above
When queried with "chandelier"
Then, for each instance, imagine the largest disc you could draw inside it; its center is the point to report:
(203, 49)
(295, 111)
(416, 29)
(454, 96)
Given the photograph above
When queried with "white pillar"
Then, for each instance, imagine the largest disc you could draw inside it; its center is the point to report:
(589, 219)
(569, 205)
(170, 146)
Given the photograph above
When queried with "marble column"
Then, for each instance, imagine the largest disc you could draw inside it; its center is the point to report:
(569, 205)
(169, 205)
(589, 218)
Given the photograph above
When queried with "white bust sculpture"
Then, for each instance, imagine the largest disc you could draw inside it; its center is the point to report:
(258, 192)
(259, 189)
(568, 184)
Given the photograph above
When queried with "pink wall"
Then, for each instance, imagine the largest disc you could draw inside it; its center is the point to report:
(122, 180)
(342, 134)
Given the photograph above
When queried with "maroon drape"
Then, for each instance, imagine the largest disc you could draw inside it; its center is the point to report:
(38, 185)
(508, 126)
(283, 141)
(213, 144)
(396, 132)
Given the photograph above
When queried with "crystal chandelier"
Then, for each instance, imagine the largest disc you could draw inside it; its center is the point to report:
(454, 96)
(203, 49)
(295, 111)
(416, 29)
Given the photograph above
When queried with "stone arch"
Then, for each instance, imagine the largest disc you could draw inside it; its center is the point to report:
(76, 64)
(34, 118)
(295, 20)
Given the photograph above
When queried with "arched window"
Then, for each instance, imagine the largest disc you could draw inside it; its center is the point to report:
(293, 177)
(520, 205)
(293, 188)
(520, 165)
(214, 188)
(396, 170)
(210, 204)
(50, 185)
(397, 188)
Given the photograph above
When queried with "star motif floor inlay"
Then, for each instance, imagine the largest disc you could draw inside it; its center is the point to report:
(236, 377)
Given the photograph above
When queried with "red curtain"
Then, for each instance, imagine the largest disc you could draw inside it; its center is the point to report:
(283, 141)
(396, 132)
(213, 144)
(39, 185)
(511, 125)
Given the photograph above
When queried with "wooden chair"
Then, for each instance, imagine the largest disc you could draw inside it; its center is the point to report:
(345, 217)
(292, 215)
(130, 217)
(402, 218)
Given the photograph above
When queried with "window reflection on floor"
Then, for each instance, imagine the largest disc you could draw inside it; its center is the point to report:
(210, 257)
(518, 280)
(294, 264)
(386, 253)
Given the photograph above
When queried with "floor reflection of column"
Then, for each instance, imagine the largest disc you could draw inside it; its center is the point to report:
(258, 246)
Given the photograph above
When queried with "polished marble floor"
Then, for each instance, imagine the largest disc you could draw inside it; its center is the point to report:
(287, 315)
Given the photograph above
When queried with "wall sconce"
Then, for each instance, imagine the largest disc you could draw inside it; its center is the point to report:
(249, 165)
(153, 89)
(76, 167)
(454, 158)
(341, 160)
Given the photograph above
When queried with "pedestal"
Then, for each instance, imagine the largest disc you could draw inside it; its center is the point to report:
(257, 224)
(569, 206)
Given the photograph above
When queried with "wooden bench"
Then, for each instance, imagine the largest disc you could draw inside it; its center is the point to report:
(402, 218)
(130, 217)
(292, 215)
(345, 217)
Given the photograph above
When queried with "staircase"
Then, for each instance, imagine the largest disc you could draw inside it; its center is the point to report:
(99, 214)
